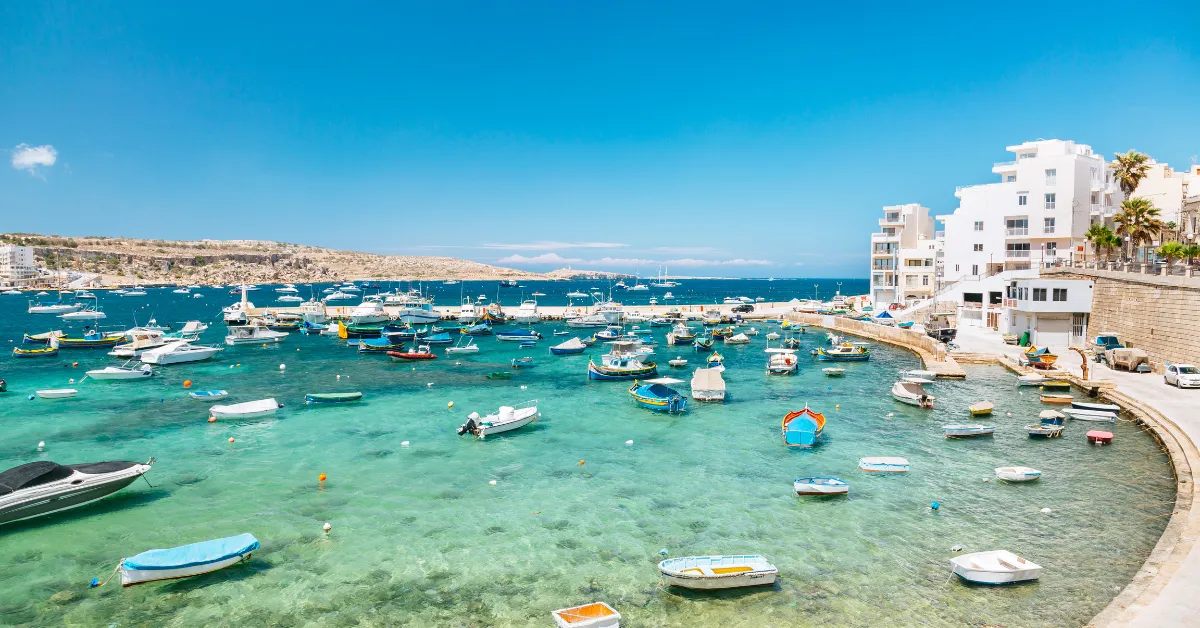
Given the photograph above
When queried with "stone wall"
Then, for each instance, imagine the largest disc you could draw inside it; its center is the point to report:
(1160, 315)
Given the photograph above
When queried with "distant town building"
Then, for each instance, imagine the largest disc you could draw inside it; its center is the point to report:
(1169, 189)
(17, 267)
(1035, 216)
(903, 256)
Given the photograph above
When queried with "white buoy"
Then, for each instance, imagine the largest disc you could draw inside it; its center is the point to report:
(1046, 511)
(891, 414)
(283, 367)
(326, 527)
(523, 387)
(429, 385)
(71, 381)
(339, 378)
(41, 445)
(628, 442)
(492, 482)
(404, 444)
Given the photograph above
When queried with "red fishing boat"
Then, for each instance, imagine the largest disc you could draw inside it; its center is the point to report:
(1099, 437)
(422, 353)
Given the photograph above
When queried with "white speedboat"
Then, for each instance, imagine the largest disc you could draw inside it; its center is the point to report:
(192, 328)
(135, 292)
(57, 393)
(1018, 474)
(140, 340)
(995, 567)
(287, 288)
(340, 295)
(178, 352)
(54, 308)
(717, 572)
(89, 313)
(43, 487)
(290, 298)
(415, 309)
(527, 313)
(468, 347)
(181, 291)
(368, 312)
(253, 334)
(508, 418)
(122, 372)
(247, 410)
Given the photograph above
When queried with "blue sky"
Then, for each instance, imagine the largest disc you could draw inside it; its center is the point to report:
(723, 139)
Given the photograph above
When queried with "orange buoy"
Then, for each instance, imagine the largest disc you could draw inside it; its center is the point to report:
(231, 440)
(581, 463)
(74, 364)
(321, 478)
(187, 383)
(212, 419)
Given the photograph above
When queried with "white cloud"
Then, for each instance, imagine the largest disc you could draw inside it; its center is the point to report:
(685, 250)
(30, 158)
(552, 245)
(544, 258)
(719, 262)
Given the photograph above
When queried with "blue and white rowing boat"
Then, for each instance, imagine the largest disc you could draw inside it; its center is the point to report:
(821, 485)
(208, 395)
(186, 560)
(655, 395)
(883, 464)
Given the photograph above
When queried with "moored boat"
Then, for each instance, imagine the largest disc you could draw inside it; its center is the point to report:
(252, 334)
(332, 397)
(883, 464)
(522, 362)
(178, 352)
(187, 560)
(834, 371)
(845, 352)
(1099, 416)
(518, 335)
(1100, 437)
(803, 428)
(708, 385)
(247, 410)
(913, 394)
(654, 394)
(506, 419)
(570, 347)
(1044, 430)
(1032, 379)
(1099, 407)
(1051, 417)
(782, 361)
(981, 408)
(1056, 398)
(422, 352)
(40, 488)
(820, 485)
(208, 395)
(594, 615)
(460, 347)
(994, 567)
(121, 372)
(1018, 474)
(621, 362)
(40, 352)
(972, 429)
(57, 393)
(718, 572)
(1056, 385)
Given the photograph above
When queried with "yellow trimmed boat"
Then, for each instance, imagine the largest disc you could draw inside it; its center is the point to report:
(1057, 399)
(982, 408)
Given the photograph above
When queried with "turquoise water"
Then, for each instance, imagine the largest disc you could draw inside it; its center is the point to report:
(420, 537)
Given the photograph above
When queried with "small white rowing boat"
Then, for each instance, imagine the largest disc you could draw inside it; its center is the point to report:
(678, 362)
(995, 567)
(122, 372)
(186, 560)
(1099, 407)
(981, 408)
(208, 395)
(1018, 474)
(960, 430)
(1032, 379)
(57, 393)
(834, 371)
(247, 410)
(883, 464)
(818, 485)
(717, 572)
(1099, 416)
(594, 615)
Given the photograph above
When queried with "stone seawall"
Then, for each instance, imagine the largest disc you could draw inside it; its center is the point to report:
(1160, 315)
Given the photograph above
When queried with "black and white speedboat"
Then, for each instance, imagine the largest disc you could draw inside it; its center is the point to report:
(40, 488)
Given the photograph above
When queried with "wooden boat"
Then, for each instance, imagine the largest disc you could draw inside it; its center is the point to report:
(994, 567)
(654, 394)
(961, 430)
(121, 372)
(520, 363)
(570, 347)
(208, 395)
(247, 410)
(717, 572)
(721, 333)
(518, 335)
(845, 352)
(905, 324)
(820, 485)
(332, 397)
(91, 340)
(703, 344)
(528, 344)
(1098, 416)
(1056, 398)
(621, 363)
(1032, 379)
(42, 338)
(1056, 385)
(737, 339)
(43, 352)
(912, 394)
(1044, 431)
(782, 361)
(478, 329)
(187, 560)
(773, 336)
(1100, 407)
(981, 408)
(1018, 474)
(803, 428)
(1051, 417)
(708, 385)
(508, 418)
(1099, 437)
(594, 615)
(441, 338)
(1010, 339)
(57, 393)
(834, 371)
(1040, 356)
(883, 464)
(791, 343)
(382, 344)
(422, 352)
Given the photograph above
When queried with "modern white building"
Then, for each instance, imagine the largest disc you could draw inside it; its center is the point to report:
(1035, 216)
(17, 267)
(1167, 188)
(903, 256)
(1055, 312)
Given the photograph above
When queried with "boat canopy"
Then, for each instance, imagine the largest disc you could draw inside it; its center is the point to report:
(193, 555)
(883, 314)
(662, 380)
(708, 379)
(32, 474)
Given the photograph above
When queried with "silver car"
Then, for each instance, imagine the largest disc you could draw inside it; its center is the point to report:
(1182, 376)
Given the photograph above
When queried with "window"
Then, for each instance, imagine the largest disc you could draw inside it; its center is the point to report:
(1052, 249)
(1039, 294)
(1047, 225)
(892, 216)
(889, 231)
(1016, 226)
(1017, 250)
(1060, 294)
(924, 280)
(979, 225)
(978, 248)
(1022, 199)
(1051, 176)
(1095, 198)
(1010, 178)
(974, 269)
(1108, 199)
(1050, 201)
(1026, 155)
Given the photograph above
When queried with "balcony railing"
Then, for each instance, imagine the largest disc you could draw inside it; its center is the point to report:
(1017, 231)
(1016, 254)
(1004, 164)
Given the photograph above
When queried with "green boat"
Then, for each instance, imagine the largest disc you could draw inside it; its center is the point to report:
(499, 375)
(332, 397)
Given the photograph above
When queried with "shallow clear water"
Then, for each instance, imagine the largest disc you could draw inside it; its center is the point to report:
(420, 537)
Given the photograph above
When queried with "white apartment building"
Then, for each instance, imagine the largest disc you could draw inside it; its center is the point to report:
(1054, 312)
(1035, 216)
(903, 256)
(17, 267)
(1167, 188)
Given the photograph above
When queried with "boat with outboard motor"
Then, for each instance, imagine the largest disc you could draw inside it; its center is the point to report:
(122, 372)
(654, 394)
(506, 419)
(178, 352)
(912, 394)
(40, 488)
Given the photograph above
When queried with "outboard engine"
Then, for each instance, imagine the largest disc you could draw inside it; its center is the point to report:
(469, 426)
(3, 386)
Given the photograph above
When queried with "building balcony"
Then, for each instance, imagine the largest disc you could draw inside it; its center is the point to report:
(1001, 167)
(1016, 232)
(1105, 211)
(884, 237)
(1016, 255)
(890, 222)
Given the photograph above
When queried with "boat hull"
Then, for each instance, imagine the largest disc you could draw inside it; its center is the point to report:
(120, 374)
(332, 398)
(130, 577)
(603, 373)
(557, 351)
(39, 506)
(724, 574)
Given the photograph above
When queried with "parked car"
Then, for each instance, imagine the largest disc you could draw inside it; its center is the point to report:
(743, 308)
(1182, 376)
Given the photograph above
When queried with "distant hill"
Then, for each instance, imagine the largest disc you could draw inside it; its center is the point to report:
(131, 260)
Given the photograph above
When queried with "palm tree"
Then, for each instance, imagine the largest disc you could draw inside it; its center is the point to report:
(1171, 251)
(1130, 169)
(1109, 242)
(1095, 234)
(1191, 252)
(1139, 221)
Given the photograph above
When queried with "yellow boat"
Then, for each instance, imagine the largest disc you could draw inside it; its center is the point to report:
(982, 408)
(1057, 399)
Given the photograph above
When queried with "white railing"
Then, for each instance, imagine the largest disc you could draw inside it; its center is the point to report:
(1004, 164)
(1011, 254)
(1017, 231)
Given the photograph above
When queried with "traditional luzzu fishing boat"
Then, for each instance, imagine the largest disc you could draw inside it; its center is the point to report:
(382, 344)
(654, 394)
(345, 397)
(995, 567)
(186, 560)
(91, 339)
(703, 343)
(479, 329)
(717, 572)
(845, 352)
(803, 428)
(820, 485)
(1059, 399)
(621, 363)
(40, 352)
